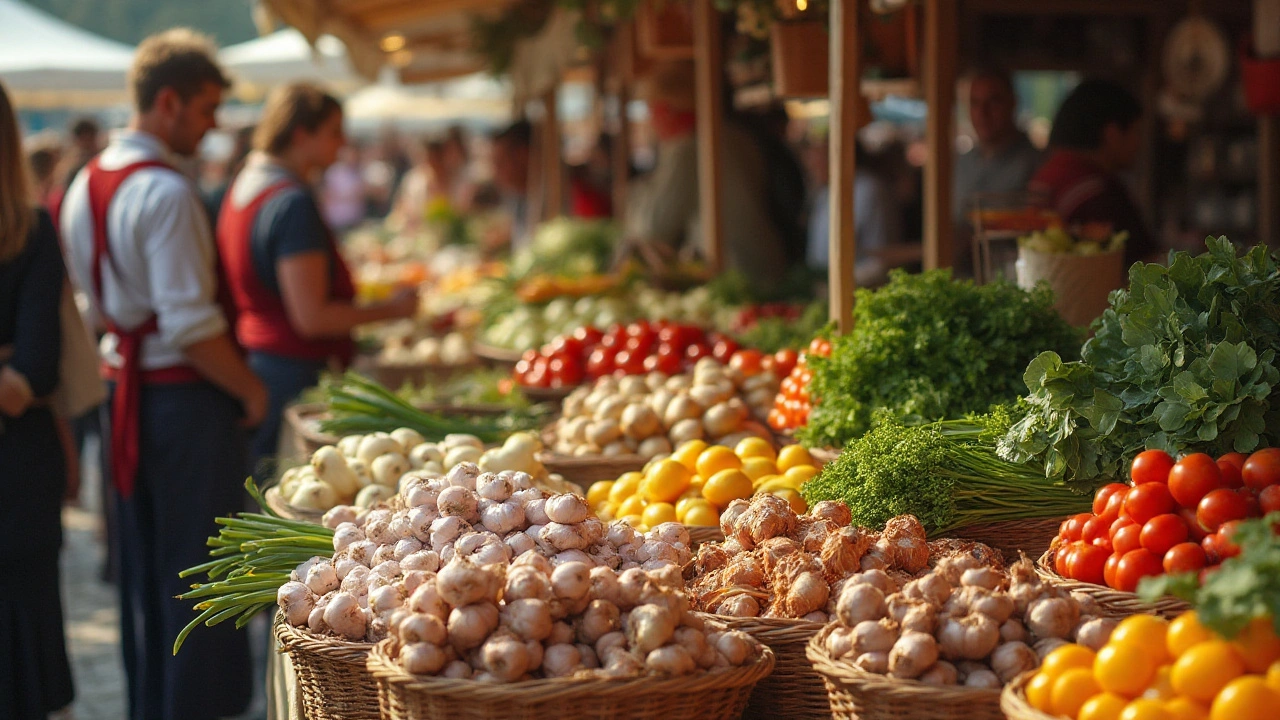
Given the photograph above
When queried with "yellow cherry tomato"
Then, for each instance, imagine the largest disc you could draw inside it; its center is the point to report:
(658, 513)
(1066, 657)
(1072, 690)
(696, 482)
(1205, 669)
(1185, 631)
(1246, 698)
(634, 521)
(800, 473)
(758, 467)
(755, 447)
(701, 516)
(1258, 645)
(653, 461)
(761, 482)
(1124, 669)
(687, 501)
(792, 456)
(726, 486)
(633, 505)
(1161, 687)
(777, 483)
(794, 499)
(599, 492)
(665, 481)
(1106, 706)
(1273, 676)
(1186, 709)
(1040, 692)
(717, 458)
(1144, 709)
(624, 487)
(1146, 631)
(688, 452)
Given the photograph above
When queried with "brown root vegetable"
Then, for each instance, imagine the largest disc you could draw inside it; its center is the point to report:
(833, 510)
(841, 553)
(806, 594)
(739, 606)
(904, 544)
(768, 516)
(772, 551)
(711, 556)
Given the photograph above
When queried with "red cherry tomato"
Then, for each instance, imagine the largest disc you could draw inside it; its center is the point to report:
(1115, 504)
(820, 347)
(1230, 465)
(1163, 532)
(1188, 516)
(1193, 477)
(565, 372)
(1234, 458)
(1185, 557)
(1269, 499)
(1252, 507)
(723, 349)
(1225, 535)
(784, 361)
(1096, 528)
(1148, 500)
(600, 362)
(1151, 466)
(627, 362)
(697, 351)
(521, 370)
(568, 345)
(1060, 559)
(1218, 547)
(1109, 569)
(748, 362)
(1118, 523)
(1220, 506)
(1104, 494)
(1072, 528)
(1127, 539)
(667, 363)
(588, 335)
(1086, 563)
(538, 375)
(1262, 469)
(1135, 565)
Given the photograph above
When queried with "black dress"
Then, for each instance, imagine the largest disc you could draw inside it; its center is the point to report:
(35, 676)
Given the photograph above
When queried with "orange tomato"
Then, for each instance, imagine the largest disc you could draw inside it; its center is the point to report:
(748, 362)
(1245, 698)
(1205, 669)
(1258, 645)
(1072, 690)
(1185, 631)
(1125, 668)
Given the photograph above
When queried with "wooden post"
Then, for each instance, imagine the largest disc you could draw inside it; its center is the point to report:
(706, 39)
(940, 94)
(845, 82)
(624, 48)
(552, 170)
(1266, 43)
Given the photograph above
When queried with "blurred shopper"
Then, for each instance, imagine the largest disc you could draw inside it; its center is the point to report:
(589, 182)
(662, 211)
(1000, 163)
(241, 144)
(35, 676)
(43, 162)
(139, 244)
(1096, 136)
(292, 291)
(877, 218)
(438, 178)
(86, 142)
(343, 191)
(511, 176)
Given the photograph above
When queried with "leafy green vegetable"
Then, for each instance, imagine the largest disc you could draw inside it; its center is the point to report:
(929, 347)
(567, 246)
(945, 473)
(1184, 359)
(1243, 588)
(776, 333)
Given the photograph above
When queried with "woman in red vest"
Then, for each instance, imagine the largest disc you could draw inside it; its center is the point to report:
(293, 294)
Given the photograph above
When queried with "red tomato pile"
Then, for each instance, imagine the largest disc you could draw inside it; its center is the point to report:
(1174, 517)
(792, 406)
(748, 316)
(633, 349)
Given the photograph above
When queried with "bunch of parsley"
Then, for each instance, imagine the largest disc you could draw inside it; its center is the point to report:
(927, 347)
(1183, 360)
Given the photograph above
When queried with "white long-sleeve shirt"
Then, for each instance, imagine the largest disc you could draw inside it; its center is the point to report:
(162, 248)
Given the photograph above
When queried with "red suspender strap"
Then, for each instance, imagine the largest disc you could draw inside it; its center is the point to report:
(126, 402)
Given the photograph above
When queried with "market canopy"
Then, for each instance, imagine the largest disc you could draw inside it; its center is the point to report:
(286, 56)
(47, 63)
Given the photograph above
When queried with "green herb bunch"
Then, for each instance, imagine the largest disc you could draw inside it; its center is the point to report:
(945, 473)
(1183, 360)
(1242, 589)
(927, 347)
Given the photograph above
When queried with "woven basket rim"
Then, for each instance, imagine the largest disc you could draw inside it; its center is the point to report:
(494, 353)
(299, 416)
(771, 629)
(1013, 700)
(1109, 598)
(293, 638)
(276, 502)
(845, 674)
(382, 667)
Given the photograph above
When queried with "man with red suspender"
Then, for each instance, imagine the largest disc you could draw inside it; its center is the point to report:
(139, 243)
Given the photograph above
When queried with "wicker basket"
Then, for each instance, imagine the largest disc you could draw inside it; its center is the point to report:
(396, 375)
(718, 694)
(1013, 536)
(333, 680)
(1013, 700)
(1115, 603)
(859, 695)
(702, 534)
(495, 355)
(793, 690)
(546, 395)
(304, 419)
(583, 471)
(281, 507)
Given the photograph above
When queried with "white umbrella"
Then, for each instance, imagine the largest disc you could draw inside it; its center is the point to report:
(45, 62)
(286, 56)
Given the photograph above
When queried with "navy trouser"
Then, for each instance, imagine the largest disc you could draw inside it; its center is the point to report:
(191, 471)
(285, 378)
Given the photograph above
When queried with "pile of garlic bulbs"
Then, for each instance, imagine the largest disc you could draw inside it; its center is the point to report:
(407, 350)
(538, 620)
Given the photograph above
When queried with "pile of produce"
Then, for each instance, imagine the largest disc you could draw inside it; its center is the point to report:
(1172, 518)
(776, 563)
(532, 620)
(633, 349)
(366, 470)
(407, 350)
(698, 482)
(960, 624)
(1183, 361)
(648, 415)
(569, 247)
(793, 403)
(1092, 240)
(930, 347)
(778, 326)
(945, 473)
(479, 386)
(358, 405)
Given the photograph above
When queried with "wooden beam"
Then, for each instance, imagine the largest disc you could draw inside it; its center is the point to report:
(552, 170)
(940, 94)
(845, 83)
(710, 109)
